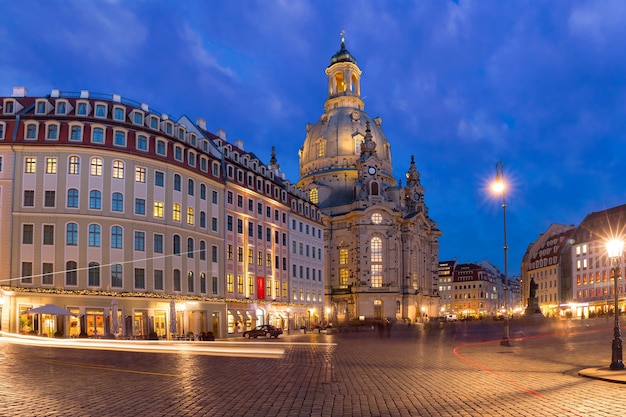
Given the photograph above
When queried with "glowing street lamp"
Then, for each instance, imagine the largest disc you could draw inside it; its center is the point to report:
(499, 187)
(614, 249)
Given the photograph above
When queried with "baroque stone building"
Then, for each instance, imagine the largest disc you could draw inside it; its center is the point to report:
(381, 245)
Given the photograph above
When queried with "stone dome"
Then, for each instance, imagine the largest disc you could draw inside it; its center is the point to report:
(334, 142)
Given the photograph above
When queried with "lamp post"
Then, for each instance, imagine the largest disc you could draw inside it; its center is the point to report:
(499, 187)
(288, 327)
(614, 249)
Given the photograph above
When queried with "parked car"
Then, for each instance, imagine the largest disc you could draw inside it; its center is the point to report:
(264, 331)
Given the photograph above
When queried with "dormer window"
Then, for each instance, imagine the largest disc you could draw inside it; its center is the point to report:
(31, 131)
(138, 118)
(161, 147)
(154, 122)
(142, 142)
(42, 107)
(81, 109)
(178, 153)
(181, 133)
(119, 113)
(61, 108)
(169, 127)
(9, 107)
(192, 139)
(101, 110)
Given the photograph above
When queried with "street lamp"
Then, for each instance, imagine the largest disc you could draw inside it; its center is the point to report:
(614, 249)
(288, 327)
(499, 187)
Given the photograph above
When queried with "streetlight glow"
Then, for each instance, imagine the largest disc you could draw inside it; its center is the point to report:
(614, 248)
(498, 186)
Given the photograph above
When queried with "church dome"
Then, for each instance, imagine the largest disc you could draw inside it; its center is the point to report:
(334, 142)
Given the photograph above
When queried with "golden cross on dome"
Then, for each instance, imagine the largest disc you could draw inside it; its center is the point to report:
(342, 33)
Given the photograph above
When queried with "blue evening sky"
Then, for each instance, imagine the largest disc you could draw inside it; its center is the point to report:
(540, 85)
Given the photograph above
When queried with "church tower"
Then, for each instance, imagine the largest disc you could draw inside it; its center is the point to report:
(381, 247)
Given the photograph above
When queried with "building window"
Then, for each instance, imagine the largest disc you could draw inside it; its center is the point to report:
(31, 131)
(116, 276)
(41, 107)
(29, 198)
(71, 273)
(96, 167)
(177, 182)
(159, 178)
(176, 248)
(53, 132)
(176, 212)
(190, 187)
(190, 216)
(98, 135)
(202, 191)
(138, 118)
(190, 282)
(177, 283)
(214, 254)
(203, 219)
(74, 165)
(118, 169)
(116, 237)
(95, 200)
(94, 274)
(158, 243)
(140, 278)
(30, 165)
(94, 235)
(51, 165)
(48, 234)
(142, 143)
(120, 138)
(202, 283)
(140, 174)
(118, 113)
(190, 247)
(47, 273)
(140, 206)
(202, 250)
(229, 283)
(49, 199)
(376, 259)
(117, 202)
(140, 241)
(101, 110)
(158, 209)
(71, 234)
(160, 148)
(214, 198)
(76, 133)
(27, 234)
(27, 273)
(178, 153)
(82, 109)
(158, 279)
(72, 198)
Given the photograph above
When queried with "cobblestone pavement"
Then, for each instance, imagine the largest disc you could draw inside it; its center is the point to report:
(453, 370)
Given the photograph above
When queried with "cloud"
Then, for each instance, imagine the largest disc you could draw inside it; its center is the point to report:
(201, 56)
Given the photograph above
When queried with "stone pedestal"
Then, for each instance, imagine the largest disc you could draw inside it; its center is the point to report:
(532, 309)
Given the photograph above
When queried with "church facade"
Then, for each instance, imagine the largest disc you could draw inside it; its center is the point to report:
(380, 244)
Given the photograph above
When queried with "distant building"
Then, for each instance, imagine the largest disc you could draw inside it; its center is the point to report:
(542, 263)
(446, 277)
(476, 290)
(592, 279)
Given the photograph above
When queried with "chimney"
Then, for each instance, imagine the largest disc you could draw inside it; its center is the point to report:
(19, 92)
(84, 94)
(239, 143)
(55, 93)
(201, 123)
(221, 133)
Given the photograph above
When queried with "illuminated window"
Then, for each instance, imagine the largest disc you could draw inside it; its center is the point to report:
(51, 165)
(343, 278)
(118, 169)
(376, 259)
(229, 283)
(158, 209)
(321, 148)
(140, 174)
(190, 216)
(96, 167)
(314, 194)
(30, 165)
(176, 212)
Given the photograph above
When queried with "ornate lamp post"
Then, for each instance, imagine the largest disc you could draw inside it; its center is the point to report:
(499, 187)
(614, 249)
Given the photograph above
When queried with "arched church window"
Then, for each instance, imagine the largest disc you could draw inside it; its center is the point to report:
(321, 148)
(358, 141)
(340, 83)
(374, 188)
(314, 195)
(376, 261)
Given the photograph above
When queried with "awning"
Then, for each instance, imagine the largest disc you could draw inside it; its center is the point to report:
(235, 314)
(251, 314)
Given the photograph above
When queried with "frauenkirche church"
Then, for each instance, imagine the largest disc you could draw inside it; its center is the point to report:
(381, 245)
